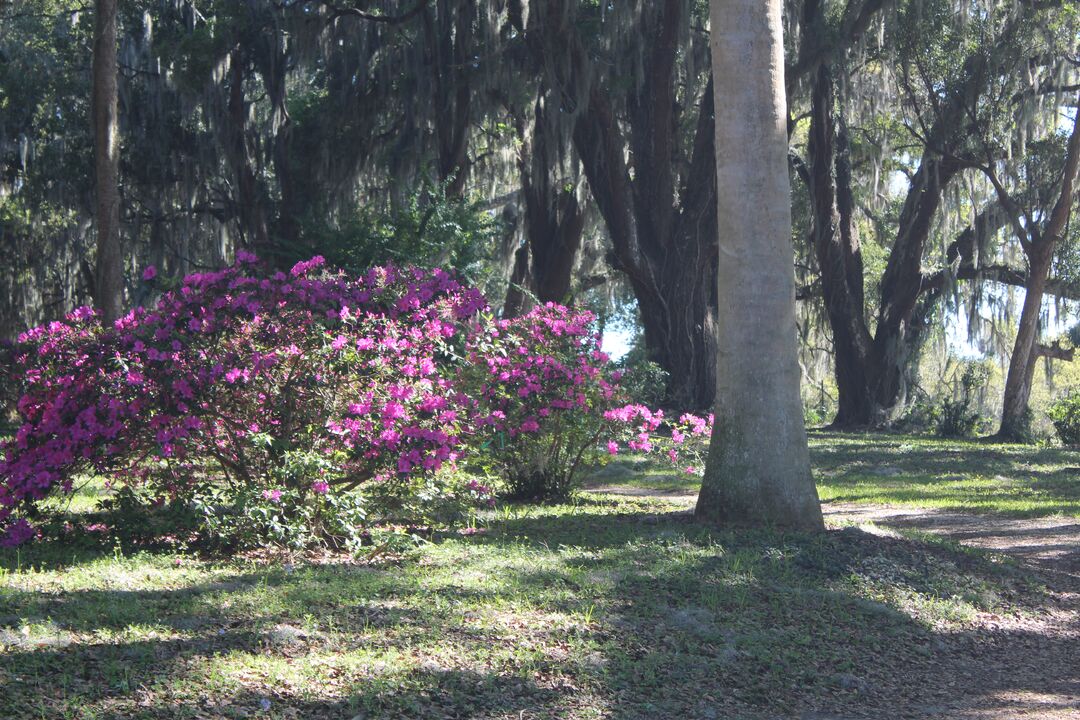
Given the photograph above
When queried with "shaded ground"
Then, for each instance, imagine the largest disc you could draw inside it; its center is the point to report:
(617, 606)
(1006, 665)
(1018, 667)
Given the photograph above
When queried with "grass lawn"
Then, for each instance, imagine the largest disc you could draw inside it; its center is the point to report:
(613, 607)
(968, 475)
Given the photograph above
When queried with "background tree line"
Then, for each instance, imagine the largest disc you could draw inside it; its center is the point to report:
(563, 151)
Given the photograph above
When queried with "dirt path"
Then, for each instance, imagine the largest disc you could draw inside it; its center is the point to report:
(1049, 543)
(1010, 667)
(1005, 667)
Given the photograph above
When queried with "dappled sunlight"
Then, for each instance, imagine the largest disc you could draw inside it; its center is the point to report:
(595, 608)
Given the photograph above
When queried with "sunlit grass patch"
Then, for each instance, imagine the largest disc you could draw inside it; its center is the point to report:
(970, 475)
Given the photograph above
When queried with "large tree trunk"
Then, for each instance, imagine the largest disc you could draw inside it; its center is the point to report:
(449, 52)
(109, 273)
(759, 466)
(554, 220)
(902, 283)
(661, 246)
(254, 229)
(661, 226)
(1039, 245)
(873, 383)
(836, 245)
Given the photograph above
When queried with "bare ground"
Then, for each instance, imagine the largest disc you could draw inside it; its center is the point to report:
(1004, 667)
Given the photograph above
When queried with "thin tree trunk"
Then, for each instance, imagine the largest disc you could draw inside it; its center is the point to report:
(759, 466)
(253, 224)
(554, 221)
(662, 235)
(109, 272)
(1014, 421)
(449, 54)
(1040, 246)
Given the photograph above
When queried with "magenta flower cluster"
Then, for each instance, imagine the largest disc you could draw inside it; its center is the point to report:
(682, 442)
(235, 368)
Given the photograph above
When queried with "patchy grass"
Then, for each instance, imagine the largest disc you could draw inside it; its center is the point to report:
(966, 475)
(611, 607)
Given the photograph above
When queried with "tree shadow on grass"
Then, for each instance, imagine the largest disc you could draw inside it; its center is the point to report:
(969, 475)
(635, 615)
(775, 623)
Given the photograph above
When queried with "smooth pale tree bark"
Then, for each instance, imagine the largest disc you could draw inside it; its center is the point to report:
(1039, 244)
(109, 272)
(758, 469)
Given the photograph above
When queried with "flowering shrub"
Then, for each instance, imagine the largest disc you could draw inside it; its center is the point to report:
(253, 405)
(547, 397)
(682, 443)
(294, 382)
(541, 385)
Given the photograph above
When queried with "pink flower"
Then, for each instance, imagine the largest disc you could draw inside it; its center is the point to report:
(149, 273)
(272, 495)
(613, 447)
(17, 533)
(320, 487)
(393, 411)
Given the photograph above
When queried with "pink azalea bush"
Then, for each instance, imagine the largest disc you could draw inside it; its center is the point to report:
(270, 382)
(549, 396)
(274, 395)
(541, 385)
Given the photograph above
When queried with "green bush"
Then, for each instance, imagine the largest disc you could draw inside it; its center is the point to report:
(1065, 414)
(642, 380)
(920, 416)
(428, 230)
(955, 417)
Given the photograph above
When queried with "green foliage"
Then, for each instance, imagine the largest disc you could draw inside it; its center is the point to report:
(428, 230)
(544, 467)
(643, 381)
(1065, 414)
(445, 500)
(919, 416)
(289, 518)
(224, 517)
(956, 417)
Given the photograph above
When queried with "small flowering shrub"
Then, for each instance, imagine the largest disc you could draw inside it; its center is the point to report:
(541, 388)
(549, 398)
(683, 443)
